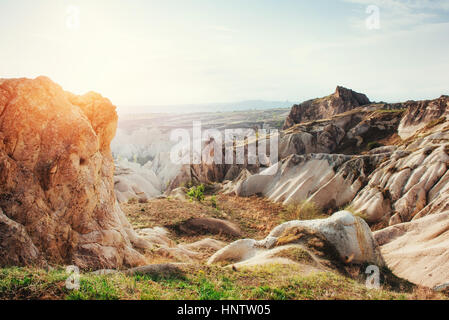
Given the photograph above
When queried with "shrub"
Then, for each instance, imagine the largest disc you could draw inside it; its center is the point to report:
(306, 210)
(196, 193)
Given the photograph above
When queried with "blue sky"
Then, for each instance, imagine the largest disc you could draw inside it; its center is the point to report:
(143, 52)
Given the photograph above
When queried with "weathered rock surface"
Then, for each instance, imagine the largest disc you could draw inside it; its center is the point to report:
(341, 101)
(16, 247)
(329, 181)
(345, 133)
(56, 179)
(412, 183)
(421, 113)
(418, 250)
(133, 181)
(349, 236)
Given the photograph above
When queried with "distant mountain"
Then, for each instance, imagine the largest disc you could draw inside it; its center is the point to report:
(208, 107)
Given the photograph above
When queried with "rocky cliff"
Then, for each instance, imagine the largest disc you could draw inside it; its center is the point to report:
(322, 108)
(57, 202)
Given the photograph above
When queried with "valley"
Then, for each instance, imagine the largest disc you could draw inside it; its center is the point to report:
(357, 186)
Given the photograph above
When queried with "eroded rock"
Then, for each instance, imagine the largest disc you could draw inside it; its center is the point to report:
(417, 250)
(349, 236)
(56, 179)
(341, 101)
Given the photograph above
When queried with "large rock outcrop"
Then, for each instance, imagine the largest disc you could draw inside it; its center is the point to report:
(56, 180)
(410, 184)
(341, 101)
(328, 181)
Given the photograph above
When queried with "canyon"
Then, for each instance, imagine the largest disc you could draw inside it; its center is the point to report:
(72, 192)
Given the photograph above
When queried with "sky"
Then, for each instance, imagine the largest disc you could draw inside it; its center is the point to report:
(145, 52)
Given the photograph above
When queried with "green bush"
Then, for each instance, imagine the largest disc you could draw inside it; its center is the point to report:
(196, 193)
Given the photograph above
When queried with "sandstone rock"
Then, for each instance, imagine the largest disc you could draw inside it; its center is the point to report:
(412, 183)
(132, 181)
(418, 250)
(349, 235)
(346, 133)
(341, 101)
(422, 113)
(178, 193)
(329, 181)
(56, 179)
(16, 247)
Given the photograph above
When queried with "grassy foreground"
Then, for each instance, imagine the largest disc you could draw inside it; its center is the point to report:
(196, 282)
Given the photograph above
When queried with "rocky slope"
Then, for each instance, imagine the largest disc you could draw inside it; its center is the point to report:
(57, 202)
(385, 162)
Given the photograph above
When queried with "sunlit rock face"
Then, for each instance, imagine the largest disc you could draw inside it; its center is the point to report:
(56, 179)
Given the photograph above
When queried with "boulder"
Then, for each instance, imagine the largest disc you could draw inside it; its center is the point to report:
(350, 237)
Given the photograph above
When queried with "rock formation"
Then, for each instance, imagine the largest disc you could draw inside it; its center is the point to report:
(421, 113)
(133, 181)
(341, 101)
(418, 250)
(56, 180)
(387, 162)
(347, 236)
(329, 181)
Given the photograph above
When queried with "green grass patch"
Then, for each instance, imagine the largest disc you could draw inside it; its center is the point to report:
(273, 282)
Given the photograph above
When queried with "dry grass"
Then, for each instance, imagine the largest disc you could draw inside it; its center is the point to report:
(272, 282)
(306, 210)
(255, 216)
